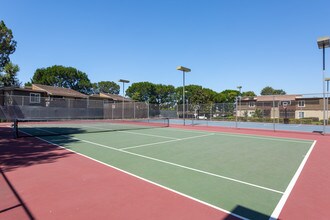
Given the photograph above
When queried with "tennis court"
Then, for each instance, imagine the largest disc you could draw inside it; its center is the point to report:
(221, 170)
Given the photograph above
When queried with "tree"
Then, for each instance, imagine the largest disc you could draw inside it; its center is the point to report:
(164, 94)
(229, 95)
(152, 93)
(267, 91)
(270, 91)
(196, 94)
(28, 84)
(10, 76)
(142, 92)
(7, 45)
(248, 94)
(257, 113)
(193, 93)
(66, 77)
(107, 87)
(279, 92)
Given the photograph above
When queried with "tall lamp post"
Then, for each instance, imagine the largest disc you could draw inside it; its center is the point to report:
(327, 99)
(322, 43)
(184, 70)
(122, 110)
(187, 102)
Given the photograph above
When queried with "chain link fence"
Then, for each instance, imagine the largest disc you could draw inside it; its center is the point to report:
(258, 112)
(25, 107)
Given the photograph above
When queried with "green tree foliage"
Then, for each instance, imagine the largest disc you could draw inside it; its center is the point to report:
(220, 98)
(195, 94)
(7, 44)
(9, 78)
(142, 92)
(152, 93)
(169, 96)
(257, 113)
(229, 96)
(279, 92)
(27, 84)
(270, 91)
(248, 94)
(164, 94)
(66, 77)
(107, 87)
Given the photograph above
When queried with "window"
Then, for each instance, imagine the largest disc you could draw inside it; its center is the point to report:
(301, 103)
(252, 104)
(301, 114)
(286, 103)
(34, 97)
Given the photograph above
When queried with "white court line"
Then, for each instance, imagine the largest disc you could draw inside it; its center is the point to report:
(181, 166)
(163, 142)
(151, 135)
(129, 132)
(276, 211)
(174, 164)
(288, 190)
(146, 180)
(294, 140)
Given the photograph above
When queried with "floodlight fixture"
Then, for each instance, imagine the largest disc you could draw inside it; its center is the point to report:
(123, 81)
(323, 42)
(184, 69)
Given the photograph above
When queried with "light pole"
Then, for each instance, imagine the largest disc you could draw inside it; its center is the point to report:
(187, 102)
(327, 99)
(322, 43)
(123, 106)
(184, 70)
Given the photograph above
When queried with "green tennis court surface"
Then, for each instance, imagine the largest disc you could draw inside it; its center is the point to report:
(225, 171)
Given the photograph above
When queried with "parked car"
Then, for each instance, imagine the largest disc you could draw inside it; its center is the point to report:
(203, 117)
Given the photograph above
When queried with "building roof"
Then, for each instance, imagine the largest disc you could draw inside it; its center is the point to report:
(58, 91)
(113, 97)
(265, 98)
(27, 89)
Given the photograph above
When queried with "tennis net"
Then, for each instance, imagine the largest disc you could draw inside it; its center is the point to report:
(49, 127)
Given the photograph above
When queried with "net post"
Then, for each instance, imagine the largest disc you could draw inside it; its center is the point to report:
(167, 122)
(15, 128)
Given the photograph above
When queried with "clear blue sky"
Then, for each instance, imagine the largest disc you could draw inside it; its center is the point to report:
(252, 43)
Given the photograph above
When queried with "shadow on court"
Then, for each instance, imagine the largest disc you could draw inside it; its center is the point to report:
(12, 206)
(246, 212)
(24, 152)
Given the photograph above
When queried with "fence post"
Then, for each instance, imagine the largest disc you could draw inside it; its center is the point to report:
(211, 111)
(273, 113)
(236, 112)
